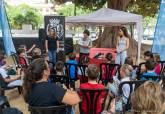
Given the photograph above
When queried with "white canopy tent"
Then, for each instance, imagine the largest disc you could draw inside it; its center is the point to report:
(110, 17)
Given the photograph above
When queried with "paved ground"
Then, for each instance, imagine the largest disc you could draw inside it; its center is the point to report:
(16, 100)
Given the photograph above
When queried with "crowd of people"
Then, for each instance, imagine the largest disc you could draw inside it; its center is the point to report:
(33, 73)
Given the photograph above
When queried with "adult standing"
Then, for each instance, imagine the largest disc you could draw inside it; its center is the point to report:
(52, 45)
(85, 44)
(122, 45)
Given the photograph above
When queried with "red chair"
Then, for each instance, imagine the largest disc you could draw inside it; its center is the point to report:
(162, 67)
(92, 97)
(107, 71)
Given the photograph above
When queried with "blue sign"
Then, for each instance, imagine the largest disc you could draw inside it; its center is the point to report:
(6, 33)
(159, 36)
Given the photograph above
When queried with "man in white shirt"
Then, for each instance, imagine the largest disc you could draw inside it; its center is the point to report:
(85, 44)
(125, 75)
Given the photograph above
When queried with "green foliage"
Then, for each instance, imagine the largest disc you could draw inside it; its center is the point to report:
(68, 10)
(149, 21)
(144, 7)
(86, 4)
(91, 4)
(23, 14)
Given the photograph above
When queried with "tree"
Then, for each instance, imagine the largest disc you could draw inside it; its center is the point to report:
(68, 10)
(142, 7)
(23, 14)
(147, 8)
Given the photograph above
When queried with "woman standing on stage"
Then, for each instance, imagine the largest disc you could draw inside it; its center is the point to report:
(52, 45)
(122, 45)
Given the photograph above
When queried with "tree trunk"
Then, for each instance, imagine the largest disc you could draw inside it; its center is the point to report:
(108, 38)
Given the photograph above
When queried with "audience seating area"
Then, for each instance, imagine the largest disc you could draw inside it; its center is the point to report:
(77, 72)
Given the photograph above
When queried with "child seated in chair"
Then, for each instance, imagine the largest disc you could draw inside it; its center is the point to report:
(93, 73)
(22, 58)
(59, 68)
(72, 60)
(129, 61)
(60, 71)
(45, 56)
(36, 53)
(150, 66)
(27, 51)
(148, 56)
(109, 58)
(125, 75)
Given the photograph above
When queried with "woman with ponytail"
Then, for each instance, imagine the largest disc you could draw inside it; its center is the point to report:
(38, 92)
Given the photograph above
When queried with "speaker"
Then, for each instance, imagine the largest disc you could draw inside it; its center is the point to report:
(68, 45)
(42, 36)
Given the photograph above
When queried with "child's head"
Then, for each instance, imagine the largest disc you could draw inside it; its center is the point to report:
(36, 52)
(125, 71)
(157, 57)
(45, 56)
(150, 66)
(148, 56)
(109, 56)
(59, 66)
(72, 56)
(148, 99)
(92, 71)
(21, 52)
(23, 46)
(129, 61)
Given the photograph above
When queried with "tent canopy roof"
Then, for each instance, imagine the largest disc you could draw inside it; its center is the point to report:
(110, 17)
(105, 17)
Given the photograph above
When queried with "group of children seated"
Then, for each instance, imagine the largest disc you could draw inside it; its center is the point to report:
(12, 75)
(127, 73)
